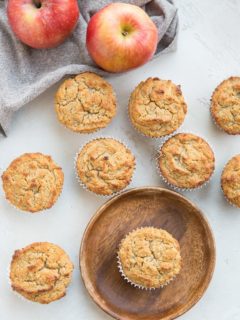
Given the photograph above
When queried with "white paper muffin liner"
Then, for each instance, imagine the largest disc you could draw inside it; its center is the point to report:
(165, 180)
(83, 184)
(135, 285)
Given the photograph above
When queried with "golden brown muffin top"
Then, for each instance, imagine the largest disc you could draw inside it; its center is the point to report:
(85, 103)
(225, 105)
(105, 166)
(33, 182)
(150, 257)
(41, 272)
(157, 107)
(230, 180)
(186, 160)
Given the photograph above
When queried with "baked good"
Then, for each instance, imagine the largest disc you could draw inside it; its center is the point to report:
(230, 180)
(105, 166)
(225, 105)
(33, 182)
(85, 103)
(186, 161)
(41, 272)
(157, 107)
(149, 257)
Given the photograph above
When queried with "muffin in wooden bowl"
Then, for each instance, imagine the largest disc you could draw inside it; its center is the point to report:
(149, 258)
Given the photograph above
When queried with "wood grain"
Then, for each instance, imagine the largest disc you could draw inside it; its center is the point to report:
(140, 207)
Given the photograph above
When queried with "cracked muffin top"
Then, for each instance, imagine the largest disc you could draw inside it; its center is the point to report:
(225, 105)
(33, 182)
(186, 161)
(85, 103)
(41, 272)
(105, 166)
(149, 257)
(230, 180)
(157, 107)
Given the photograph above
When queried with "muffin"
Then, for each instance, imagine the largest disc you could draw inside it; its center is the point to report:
(225, 105)
(85, 103)
(186, 161)
(41, 272)
(149, 258)
(230, 181)
(105, 166)
(32, 182)
(157, 107)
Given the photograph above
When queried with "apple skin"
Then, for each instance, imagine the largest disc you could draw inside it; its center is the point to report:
(121, 37)
(42, 23)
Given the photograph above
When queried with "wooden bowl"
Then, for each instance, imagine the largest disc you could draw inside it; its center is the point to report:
(151, 206)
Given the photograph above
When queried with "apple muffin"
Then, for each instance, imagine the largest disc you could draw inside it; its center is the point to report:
(186, 161)
(41, 272)
(149, 258)
(33, 182)
(105, 166)
(230, 181)
(225, 105)
(85, 103)
(157, 107)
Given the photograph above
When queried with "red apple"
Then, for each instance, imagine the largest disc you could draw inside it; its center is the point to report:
(42, 23)
(121, 37)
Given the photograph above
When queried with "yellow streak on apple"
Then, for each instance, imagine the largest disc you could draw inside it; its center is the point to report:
(30, 13)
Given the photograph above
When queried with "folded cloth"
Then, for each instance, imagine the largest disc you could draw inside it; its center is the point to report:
(27, 72)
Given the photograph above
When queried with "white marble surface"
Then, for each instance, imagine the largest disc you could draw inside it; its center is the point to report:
(209, 51)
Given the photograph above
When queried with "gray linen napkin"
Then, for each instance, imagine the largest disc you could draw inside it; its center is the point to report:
(27, 72)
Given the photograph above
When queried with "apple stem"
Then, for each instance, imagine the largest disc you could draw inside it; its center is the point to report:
(124, 33)
(37, 3)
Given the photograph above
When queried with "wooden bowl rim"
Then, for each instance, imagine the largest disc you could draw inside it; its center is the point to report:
(198, 213)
